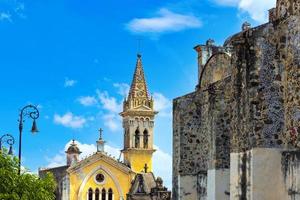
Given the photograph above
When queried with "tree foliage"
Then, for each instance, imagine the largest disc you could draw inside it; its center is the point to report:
(25, 186)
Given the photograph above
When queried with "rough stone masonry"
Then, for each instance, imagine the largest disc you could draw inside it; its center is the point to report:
(238, 135)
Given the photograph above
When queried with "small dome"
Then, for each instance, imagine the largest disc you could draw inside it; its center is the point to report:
(73, 148)
(159, 182)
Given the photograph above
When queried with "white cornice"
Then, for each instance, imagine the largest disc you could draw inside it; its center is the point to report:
(97, 157)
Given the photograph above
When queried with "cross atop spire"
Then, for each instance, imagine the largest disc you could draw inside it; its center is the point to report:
(100, 142)
(138, 97)
(138, 87)
(100, 133)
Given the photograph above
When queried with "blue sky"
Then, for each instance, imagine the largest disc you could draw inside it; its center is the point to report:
(75, 59)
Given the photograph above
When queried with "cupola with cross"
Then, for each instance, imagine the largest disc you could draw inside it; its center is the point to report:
(100, 142)
(138, 122)
(72, 153)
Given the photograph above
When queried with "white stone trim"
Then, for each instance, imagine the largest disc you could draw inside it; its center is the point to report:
(66, 188)
(218, 184)
(95, 158)
(115, 180)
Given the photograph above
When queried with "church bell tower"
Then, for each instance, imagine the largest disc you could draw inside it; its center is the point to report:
(138, 123)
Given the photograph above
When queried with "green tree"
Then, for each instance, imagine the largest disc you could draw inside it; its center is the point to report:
(25, 186)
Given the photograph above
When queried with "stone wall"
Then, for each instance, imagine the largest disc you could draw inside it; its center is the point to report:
(201, 137)
(189, 156)
(258, 115)
(291, 173)
(247, 98)
(59, 174)
(265, 83)
(287, 8)
(290, 58)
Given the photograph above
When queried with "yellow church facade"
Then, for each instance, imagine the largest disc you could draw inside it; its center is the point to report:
(102, 177)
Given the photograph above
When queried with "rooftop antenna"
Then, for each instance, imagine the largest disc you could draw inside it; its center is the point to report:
(73, 137)
(139, 40)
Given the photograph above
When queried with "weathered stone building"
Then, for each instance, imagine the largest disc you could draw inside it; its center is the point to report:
(237, 136)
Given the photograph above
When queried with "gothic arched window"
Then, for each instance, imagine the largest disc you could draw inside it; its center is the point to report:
(137, 138)
(90, 194)
(97, 194)
(103, 194)
(141, 188)
(110, 194)
(146, 138)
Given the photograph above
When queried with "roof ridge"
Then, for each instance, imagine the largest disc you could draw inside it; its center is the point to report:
(104, 154)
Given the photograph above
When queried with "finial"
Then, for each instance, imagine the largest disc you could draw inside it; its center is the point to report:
(73, 141)
(139, 40)
(246, 26)
(100, 132)
(210, 42)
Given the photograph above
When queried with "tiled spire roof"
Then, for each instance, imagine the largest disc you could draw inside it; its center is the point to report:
(138, 87)
(73, 148)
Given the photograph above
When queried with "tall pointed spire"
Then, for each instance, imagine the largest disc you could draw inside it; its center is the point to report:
(138, 123)
(138, 87)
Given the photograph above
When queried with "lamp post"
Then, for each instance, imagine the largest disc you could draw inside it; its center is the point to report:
(29, 111)
(8, 139)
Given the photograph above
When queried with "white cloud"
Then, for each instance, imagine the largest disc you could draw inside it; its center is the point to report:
(109, 103)
(112, 120)
(166, 21)
(11, 9)
(113, 151)
(58, 160)
(107, 79)
(257, 9)
(162, 104)
(228, 2)
(5, 16)
(162, 166)
(162, 161)
(70, 120)
(19, 10)
(69, 82)
(87, 149)
(96, 61)
(87, 100)
(123, 88)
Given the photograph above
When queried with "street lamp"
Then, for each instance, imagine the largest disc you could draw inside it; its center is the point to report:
(29, 111)
(8, 139)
